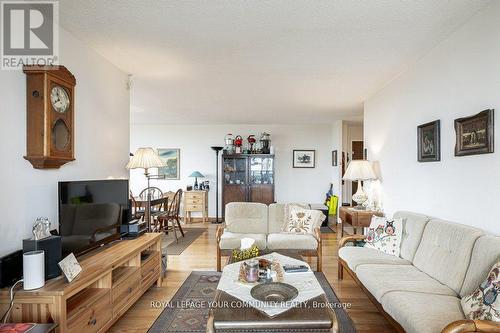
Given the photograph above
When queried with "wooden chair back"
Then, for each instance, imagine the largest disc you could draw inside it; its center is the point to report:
(155, 193)
(175, 204)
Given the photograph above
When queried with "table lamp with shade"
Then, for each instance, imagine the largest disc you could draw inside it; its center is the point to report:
(359, 170)
(195, 175)
(146, 158)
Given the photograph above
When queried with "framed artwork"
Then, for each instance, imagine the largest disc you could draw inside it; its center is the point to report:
(429, 142)
(304, 158)
(334, 158)
(475, 134)
(172, 160)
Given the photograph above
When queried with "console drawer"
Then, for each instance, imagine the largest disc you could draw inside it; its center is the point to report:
(93, 318)
(125, 291)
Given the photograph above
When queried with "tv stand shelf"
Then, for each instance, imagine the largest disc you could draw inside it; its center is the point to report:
(112, 280)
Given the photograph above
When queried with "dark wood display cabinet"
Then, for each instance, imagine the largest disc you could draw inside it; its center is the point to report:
(247, 178)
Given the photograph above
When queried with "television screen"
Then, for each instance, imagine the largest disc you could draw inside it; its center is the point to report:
(90, 213)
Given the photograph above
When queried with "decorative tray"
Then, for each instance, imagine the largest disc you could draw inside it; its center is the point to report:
(275, 267)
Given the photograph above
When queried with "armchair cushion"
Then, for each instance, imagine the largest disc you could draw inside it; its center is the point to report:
(422, 312)
(288, 241)
(355, 256)
(382, 279)
(230, 240)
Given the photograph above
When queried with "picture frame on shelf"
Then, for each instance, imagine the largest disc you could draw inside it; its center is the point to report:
(334, 158)
(304, 158)
(475, 135)
(70, 267)
(171, 156)
(429, 142)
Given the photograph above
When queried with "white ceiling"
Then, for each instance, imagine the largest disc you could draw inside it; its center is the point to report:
(275, 61)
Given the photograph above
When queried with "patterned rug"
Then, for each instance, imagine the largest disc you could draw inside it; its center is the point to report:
(187, 312)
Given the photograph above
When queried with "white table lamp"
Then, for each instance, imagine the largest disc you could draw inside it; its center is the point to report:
(359, 170)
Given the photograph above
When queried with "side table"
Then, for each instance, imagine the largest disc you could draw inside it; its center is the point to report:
(195, 201)
(356, 218)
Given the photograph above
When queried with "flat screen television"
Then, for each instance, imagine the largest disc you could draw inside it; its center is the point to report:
(90, 213)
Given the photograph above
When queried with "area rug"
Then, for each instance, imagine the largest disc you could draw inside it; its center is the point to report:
(326, 230)
(174, 248)
(199, 289)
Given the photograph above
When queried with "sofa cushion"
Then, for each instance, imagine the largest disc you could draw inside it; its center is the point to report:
(484, 303)
(385, 235)
(413, 228)
(445, 251)
(276, 217)
(381, 279)
(422, 312)
(286, 241)
(303, 221)
(486, 252)
(355, 256)
(230, 240)
(277, 213)
(246, 217)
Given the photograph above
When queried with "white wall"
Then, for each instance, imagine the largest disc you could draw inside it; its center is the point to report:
(297, 185)
(101, 140)
(460, 77)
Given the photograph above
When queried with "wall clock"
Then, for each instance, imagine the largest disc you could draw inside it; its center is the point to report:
(50, 115)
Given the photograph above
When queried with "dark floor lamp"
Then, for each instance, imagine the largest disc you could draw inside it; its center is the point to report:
(217, 150)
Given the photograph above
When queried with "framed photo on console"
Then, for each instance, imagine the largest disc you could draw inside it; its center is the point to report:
(304, 158)
(429, 142)
(475, 134)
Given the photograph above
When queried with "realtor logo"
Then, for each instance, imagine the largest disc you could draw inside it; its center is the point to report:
(29, 33)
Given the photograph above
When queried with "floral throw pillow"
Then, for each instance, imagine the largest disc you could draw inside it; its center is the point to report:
(385, 235)
(286, 214)
(303, 221)
(484, 302)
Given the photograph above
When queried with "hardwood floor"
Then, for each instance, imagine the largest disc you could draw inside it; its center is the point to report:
(201, 256)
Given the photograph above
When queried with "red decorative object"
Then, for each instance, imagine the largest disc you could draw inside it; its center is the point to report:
(15, 328)
(238, 141)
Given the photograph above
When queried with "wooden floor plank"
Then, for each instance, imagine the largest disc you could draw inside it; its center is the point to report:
(201, 256)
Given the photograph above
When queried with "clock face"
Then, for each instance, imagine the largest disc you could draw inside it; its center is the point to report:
(59, 99)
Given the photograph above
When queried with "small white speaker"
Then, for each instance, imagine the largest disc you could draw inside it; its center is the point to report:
(33, 270)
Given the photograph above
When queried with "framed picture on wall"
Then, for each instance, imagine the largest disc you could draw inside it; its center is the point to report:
(171, 156)
(429, 142)
(475, 134)
(304, 158)
(334, 158)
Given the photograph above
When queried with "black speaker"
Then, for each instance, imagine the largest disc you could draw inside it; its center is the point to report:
(11, 268)
(53, 252)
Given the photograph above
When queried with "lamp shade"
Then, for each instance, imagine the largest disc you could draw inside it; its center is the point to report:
(145, 158)
(196, 174)
(359, 170)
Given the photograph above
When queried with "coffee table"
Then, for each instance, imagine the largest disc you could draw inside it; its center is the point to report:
(315, 315)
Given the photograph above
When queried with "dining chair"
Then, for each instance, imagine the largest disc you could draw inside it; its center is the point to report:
(171, 219)
(155, 192)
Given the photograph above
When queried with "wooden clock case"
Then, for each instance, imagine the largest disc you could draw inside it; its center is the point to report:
(50, 134)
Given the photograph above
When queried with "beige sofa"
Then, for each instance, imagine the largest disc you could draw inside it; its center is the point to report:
(262, 223)
(420, 292)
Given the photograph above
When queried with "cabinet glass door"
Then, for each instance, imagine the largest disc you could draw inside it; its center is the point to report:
(235, 171)
(261, 170)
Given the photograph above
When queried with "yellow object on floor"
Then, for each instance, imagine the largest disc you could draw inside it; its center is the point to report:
(332, 205)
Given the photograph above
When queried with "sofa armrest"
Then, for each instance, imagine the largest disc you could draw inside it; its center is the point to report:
(218, 233)
(344, 240)
(467, 326)
(317, 234)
